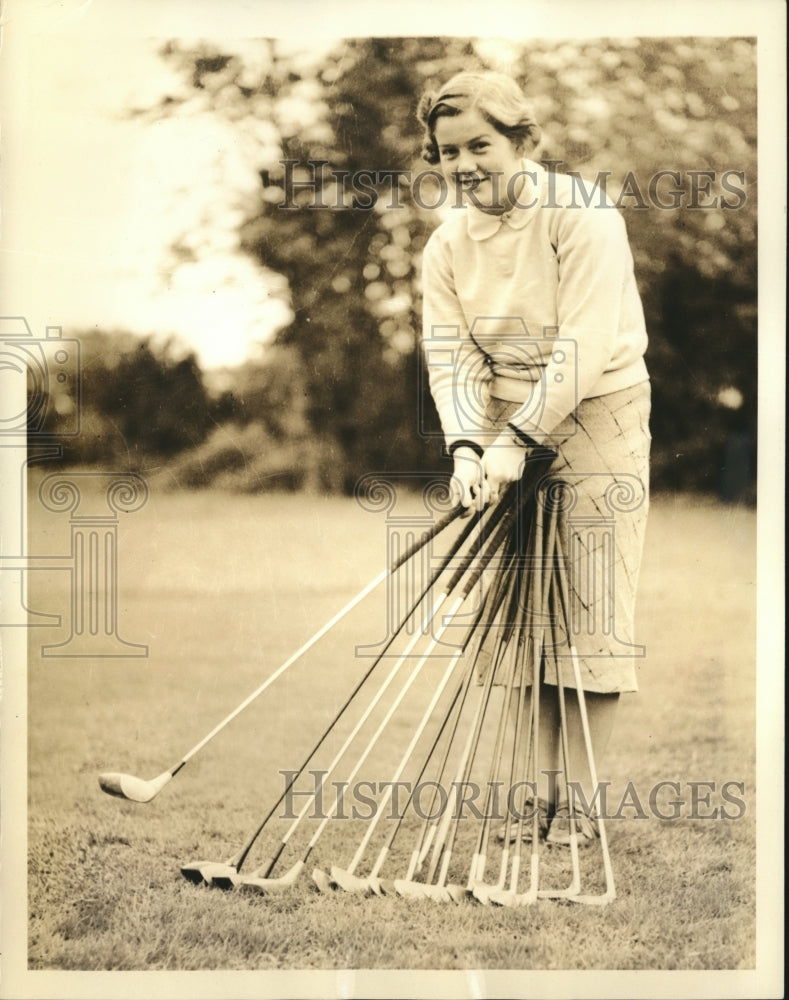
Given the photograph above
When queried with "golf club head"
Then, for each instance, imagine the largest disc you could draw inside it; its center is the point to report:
(482, 893)
(418, 890)
(223, 877)
(458, 893)
(126, 786)
(254, 884)
(602, 900)
(322, 881)
(501, 897)
(198, 872)
(383, 886)
(350, 883)
(374, 885)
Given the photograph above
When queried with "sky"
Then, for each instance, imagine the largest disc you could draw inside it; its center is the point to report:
(94, 199)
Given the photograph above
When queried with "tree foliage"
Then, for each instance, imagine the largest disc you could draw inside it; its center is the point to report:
(140, 402)
(627, 108)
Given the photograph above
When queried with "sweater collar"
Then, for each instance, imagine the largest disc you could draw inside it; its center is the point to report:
(482, 225)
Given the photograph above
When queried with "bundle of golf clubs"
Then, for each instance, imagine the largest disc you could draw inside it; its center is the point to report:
(492, 611)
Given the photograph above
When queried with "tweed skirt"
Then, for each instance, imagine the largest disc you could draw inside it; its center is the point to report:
(602, 464)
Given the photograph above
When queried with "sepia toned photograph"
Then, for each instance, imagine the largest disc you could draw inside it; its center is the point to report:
(391, 564)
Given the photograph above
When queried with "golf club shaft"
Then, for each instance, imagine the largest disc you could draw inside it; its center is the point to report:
(456, 546)
(575, 884)
(384, 722)
(466, 565)
(610, 892)
(448, 830)
(467, 589)
(408, 554)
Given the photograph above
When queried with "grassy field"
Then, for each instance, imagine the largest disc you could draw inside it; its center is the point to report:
(222, 589)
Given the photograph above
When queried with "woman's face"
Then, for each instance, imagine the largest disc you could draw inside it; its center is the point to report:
(479, 160)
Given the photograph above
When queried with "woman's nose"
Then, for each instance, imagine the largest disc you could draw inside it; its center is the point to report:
(466, 164)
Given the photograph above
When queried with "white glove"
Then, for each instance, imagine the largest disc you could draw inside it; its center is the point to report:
(468, 486)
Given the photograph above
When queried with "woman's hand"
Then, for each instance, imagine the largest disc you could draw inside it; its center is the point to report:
(502, 463)
(468, 484)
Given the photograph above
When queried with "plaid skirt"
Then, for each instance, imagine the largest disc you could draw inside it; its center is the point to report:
(603, 465)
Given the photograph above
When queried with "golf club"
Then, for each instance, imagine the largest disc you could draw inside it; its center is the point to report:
(442, 849)
(204, 871)
(345, 877)
(226, 875)
(135, 789)
(262, 884)
(610, 890)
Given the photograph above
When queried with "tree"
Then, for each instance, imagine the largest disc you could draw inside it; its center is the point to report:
(141, 402)
(668, 125)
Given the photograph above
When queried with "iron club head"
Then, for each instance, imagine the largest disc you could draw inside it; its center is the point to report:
(420, 890)
(458, 893)
(323, 881)
(253, 884)
(350, 883)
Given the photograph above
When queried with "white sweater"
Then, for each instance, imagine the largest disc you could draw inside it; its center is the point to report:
(498, 291)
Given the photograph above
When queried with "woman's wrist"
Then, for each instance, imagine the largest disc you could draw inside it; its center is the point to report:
(464, 443)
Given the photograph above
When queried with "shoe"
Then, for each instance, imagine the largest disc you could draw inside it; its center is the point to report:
(586, 828)
(543, 811)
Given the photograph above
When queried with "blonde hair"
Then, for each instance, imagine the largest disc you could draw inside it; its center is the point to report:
(498, 99)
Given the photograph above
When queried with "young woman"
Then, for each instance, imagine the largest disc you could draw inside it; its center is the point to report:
(534, 335)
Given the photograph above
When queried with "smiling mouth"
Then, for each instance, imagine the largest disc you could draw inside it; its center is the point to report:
(469, 183)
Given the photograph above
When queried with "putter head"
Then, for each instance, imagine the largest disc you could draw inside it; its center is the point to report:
(350, 883)
(126, 786)
(199, 872)
(383, 886)
(322, 880)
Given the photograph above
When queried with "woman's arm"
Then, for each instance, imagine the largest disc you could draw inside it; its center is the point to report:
(595, 281)
(457, 368)
(595, 276)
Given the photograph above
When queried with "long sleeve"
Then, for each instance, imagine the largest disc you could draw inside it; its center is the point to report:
(595, 270)
(457, 369)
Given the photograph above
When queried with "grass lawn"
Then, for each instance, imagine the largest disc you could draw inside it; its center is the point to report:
(222, 589)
